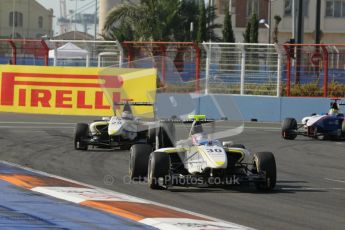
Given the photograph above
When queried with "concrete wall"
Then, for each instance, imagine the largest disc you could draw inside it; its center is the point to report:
(278, 108)
(267, 109)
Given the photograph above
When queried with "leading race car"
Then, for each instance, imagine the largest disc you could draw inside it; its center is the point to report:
(201, 160)
(329, 126)
(120, 131)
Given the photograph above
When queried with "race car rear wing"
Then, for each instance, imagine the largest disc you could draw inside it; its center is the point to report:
(335, 99)
(127, 104)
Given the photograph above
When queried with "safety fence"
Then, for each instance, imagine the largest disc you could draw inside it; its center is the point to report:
(24, 52)
(224, 68)
(314, 70)
(251, 69)
(85, 53)
(60, 52)
(176, 62)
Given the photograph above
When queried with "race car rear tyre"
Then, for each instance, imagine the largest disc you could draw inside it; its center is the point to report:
(289, 128)
(138, 161)
(343, 128)
(265, 163)
(81, 133)
(158, 167)
(166, 135)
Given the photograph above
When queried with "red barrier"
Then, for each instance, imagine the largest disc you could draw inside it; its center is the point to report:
(315, 70)
(35, 48)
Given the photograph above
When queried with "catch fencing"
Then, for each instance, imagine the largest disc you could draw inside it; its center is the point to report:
(314, 70)
(23, 52)
(223, 68)
(242, 68)
(176, 62)
(85, 53)
(60, 52)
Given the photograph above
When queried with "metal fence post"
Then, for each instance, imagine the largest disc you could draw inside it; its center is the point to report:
(14, 52)
(208, 57)
(46, 52)
(243, 68)
(197, 68)
(118, 44)
(279, 68)
(55, 56)
(288, 68)
(325, 70)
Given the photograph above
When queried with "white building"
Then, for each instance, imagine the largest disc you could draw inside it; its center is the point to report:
(332, 18)
(25, 19)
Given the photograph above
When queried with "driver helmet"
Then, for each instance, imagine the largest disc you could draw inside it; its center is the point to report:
(335, 106)
(200, 139)
(333, 112)
(126, 115)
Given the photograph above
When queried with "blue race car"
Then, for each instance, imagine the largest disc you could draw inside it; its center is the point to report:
(328, 126)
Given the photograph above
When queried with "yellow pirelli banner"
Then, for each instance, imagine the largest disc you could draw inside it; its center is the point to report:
(74, 90)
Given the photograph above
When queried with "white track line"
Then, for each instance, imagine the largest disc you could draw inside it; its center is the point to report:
(341, 181)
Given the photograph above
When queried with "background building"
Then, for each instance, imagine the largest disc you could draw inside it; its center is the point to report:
(24, 19)
(332, 18)
(241, 12)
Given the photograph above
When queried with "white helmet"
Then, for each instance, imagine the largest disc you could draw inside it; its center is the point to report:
(127, 115)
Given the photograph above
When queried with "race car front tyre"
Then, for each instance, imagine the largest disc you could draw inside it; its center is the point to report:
(138, 161)
(158, 169)
(265, 164)
(289, 128)
(80, 134)
(343, 128)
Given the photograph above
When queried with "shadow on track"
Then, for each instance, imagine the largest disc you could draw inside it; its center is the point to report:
(283, 186)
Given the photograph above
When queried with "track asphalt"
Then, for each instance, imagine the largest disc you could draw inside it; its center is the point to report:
(310, 191)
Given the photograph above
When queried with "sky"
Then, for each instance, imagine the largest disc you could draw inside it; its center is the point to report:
(81, 6)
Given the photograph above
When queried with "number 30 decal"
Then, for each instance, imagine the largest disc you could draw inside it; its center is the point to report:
(214, 150)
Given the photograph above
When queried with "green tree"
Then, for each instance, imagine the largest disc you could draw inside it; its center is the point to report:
(211, 26)
(277, 20)
(201, 34)
(228, 33)
(189, 14)
(157, 20)
(254, 29)
(246, 34)
(251, 34)
(150, 20)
